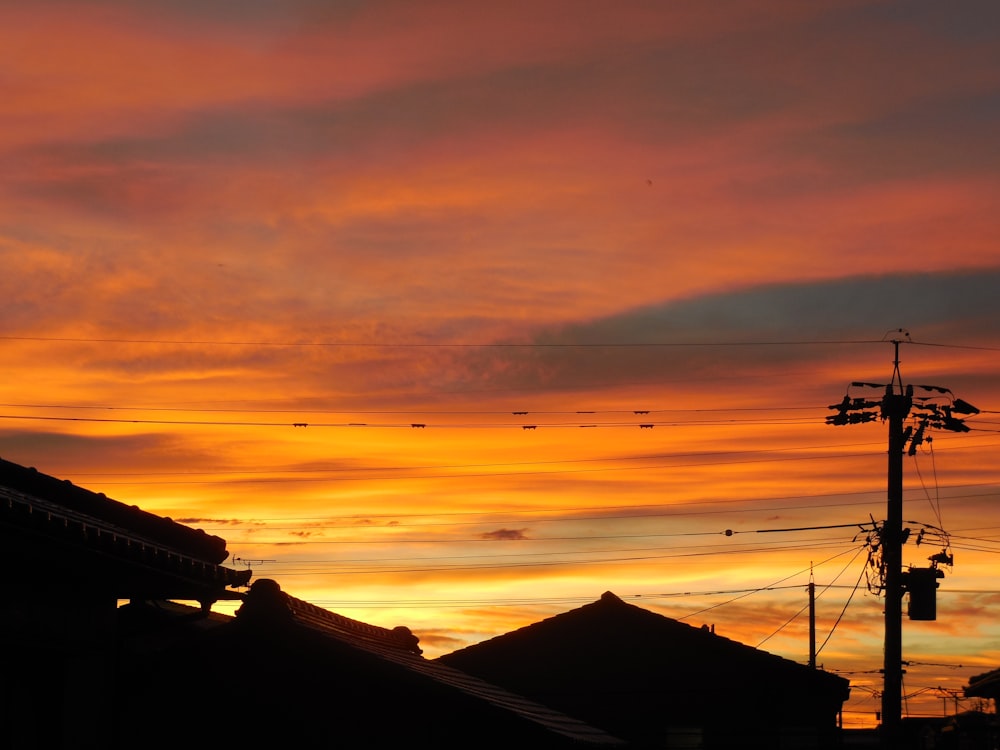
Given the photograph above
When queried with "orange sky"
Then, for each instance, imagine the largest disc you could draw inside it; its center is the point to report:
(215, 224)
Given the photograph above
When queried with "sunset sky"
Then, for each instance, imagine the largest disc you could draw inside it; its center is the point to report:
(560, 290)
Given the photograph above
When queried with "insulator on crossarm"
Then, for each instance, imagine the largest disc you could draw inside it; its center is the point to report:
(963, 407)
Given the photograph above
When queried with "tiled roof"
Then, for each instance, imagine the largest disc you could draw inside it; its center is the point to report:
(58, 495)
(620, 667)
(58, 522)
(399, 646)
(611, 625)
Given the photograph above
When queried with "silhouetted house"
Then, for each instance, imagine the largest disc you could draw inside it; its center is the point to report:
(313, 678)
(78, 671)
(975, 729)
(657, 682)
(985, 685)
(968, 730)
(68, 555)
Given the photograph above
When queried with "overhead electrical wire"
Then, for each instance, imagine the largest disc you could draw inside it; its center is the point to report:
(299, 541)
(438, 345)
(420, 569)
(477, 475)
(513, 412)
(351, 521)
(785, 624)
(955, 346)
(523, 426)
(545, 600)
(935, 500)
(501, 562)
(599, 469)
(850, 598)
(323, 563)
(824, 590)
(484, 345)
(404, 425)
(540, 600)
(308, 410)
(763, 588)
(497, 464)
(561, 563)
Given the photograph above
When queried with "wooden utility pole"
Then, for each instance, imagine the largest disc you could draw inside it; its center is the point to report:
(936, 410)
(895, 408)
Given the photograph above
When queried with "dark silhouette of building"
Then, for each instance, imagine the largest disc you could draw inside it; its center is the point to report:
(68, 555)
(657, 682)
(314, 678)
(976, 730)
(985, 685)
(80, 671)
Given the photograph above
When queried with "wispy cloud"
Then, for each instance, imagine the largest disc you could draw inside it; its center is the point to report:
(504, 534)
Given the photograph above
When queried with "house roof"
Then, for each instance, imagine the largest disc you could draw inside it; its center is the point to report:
(57, 531)
(985, 685)
(265, 602)
(613, 634)
(617, 666)
(288, 668)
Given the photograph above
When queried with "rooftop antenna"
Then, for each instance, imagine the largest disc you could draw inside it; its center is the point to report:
(900, 334)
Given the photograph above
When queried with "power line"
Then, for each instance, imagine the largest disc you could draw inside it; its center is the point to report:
(554, 472)
(469, 540)
(528, 601)
(840, 617)
(254, 527)
(481, 345)
(785, 624)
(313, 563)
(396, 425)
(352, 520)
(955, 346)
(494, 464)
(318, 475)
(350, 565)
(515, 425)
(779, 581)
(437, 345)
(439, 412)
(414, 569)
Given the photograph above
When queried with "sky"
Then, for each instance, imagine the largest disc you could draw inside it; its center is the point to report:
(456, 315)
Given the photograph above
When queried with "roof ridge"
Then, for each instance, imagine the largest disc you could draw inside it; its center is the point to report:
(267, 601)
(266, 596)
(61, 497)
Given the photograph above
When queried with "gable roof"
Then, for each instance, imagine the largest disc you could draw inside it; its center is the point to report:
(620, 667)
(611, 634)
(315, 677)
(57, 531)
(398, 646)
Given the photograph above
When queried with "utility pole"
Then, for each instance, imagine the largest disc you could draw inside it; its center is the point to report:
(936, 410)
(812, 621)
(896, 408)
